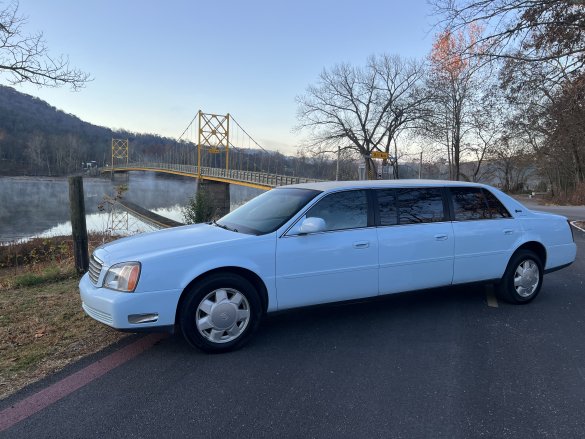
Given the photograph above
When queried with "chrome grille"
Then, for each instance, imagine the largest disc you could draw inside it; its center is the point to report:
(95, 268)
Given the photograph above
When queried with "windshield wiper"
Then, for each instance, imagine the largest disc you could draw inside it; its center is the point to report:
(223, 226)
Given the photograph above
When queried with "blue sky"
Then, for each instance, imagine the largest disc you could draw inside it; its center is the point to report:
(156, 63)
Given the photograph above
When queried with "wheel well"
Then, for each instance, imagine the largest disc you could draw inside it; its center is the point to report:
(537, 248)
(250, 276)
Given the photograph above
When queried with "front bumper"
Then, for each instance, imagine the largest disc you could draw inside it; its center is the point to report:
(115, 309)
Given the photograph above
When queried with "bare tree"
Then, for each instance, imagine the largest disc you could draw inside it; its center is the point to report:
(362, 109)
(35, 151)
(519, 30)
(454, 86)
(512, 162)
(567, 131)
(548, 118)
(488, 123)
(25, 58)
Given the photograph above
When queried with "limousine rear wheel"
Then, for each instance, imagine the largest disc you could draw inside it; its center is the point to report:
(220, 313)
(523, 278)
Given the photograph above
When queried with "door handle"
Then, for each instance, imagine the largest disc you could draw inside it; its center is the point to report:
(361, 244)
(441, 237)
(508, 231)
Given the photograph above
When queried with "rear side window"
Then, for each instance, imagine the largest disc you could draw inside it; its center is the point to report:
(495, 206)
(420, 206)
(469, 204)
(342, 210)
(410, 206)
(472, 203)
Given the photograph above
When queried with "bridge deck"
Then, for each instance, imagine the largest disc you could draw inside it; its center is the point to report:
(258, 180)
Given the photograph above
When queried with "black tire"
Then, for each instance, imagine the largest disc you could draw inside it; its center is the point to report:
(522, 293)
(222, 312)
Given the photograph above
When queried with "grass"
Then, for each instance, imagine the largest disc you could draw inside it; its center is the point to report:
(42, 325)
(42, 329)
(49, 274)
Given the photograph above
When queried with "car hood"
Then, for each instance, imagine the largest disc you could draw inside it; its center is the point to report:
(140, 247)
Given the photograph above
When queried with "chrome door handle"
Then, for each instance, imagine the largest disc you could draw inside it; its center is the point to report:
(441, 237)
(508, 231)
(361, 244)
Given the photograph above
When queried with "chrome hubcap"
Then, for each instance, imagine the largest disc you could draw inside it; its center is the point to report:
(222, 315)
(526, 278)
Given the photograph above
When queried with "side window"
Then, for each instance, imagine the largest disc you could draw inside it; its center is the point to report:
(469, 204)
(387, 207)
(420, 205)
(342, 210)
(495, 206)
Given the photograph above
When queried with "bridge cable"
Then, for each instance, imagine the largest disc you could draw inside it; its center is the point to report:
(189, 126)
(251, 138)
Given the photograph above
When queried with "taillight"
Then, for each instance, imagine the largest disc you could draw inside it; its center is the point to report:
(571, 228)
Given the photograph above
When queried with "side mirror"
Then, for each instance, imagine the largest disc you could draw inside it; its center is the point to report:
(312, 225)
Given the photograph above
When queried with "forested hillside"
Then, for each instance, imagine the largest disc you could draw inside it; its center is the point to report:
(38, 139)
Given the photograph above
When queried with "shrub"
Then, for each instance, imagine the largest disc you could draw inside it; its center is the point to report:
(198, 209)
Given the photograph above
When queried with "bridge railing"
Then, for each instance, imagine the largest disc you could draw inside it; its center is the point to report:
(235, 175)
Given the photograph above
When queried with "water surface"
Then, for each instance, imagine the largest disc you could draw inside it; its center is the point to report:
(31, 206)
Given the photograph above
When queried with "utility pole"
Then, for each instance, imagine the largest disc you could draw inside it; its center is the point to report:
(79, 229)
(337, 169)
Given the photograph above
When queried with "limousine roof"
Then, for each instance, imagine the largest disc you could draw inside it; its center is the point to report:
(331, 185)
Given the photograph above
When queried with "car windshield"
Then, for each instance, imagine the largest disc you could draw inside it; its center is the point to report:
(267, 212)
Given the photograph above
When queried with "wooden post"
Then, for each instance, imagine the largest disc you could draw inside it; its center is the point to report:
(79, 229)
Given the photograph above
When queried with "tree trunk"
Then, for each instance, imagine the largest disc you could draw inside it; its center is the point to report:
(580, 173)
(371, 171)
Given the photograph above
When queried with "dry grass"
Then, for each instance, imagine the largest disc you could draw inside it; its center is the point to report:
(57, 249)
(42, 325)
(575, 197)
(42, 329)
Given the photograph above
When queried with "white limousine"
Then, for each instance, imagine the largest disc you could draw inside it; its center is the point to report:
(315, 243)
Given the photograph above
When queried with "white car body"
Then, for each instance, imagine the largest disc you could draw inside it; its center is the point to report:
(291, 269)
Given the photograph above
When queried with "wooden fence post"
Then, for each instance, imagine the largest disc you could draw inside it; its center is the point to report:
(78, 226)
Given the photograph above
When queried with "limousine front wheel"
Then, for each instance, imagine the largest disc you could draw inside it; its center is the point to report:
(220, 313)
(523, 278)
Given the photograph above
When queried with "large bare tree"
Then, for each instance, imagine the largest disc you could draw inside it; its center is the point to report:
(25, 57)
(362, 109)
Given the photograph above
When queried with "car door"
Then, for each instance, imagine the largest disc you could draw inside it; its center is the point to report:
(415, 239)
(339, 263)
(485, 235)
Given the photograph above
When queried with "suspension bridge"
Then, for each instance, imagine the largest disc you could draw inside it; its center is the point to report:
(213, 148)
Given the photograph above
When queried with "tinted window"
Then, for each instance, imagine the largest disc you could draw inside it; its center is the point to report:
(419, 206)
(342, 210)
(496, 208)
(387, 207)
(469, 204)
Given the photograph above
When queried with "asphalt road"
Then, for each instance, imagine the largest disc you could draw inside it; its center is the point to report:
(433, 364)
(571, 212)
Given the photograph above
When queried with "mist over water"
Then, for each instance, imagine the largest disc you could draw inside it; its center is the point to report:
(31, 206)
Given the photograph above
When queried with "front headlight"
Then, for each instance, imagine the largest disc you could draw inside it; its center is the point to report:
(122, 277)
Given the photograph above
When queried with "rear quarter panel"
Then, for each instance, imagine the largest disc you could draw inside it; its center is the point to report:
(554, 233)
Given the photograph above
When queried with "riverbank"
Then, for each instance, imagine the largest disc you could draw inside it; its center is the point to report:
(42, 325)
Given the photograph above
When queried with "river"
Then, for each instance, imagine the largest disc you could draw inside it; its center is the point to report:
(39, 207)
